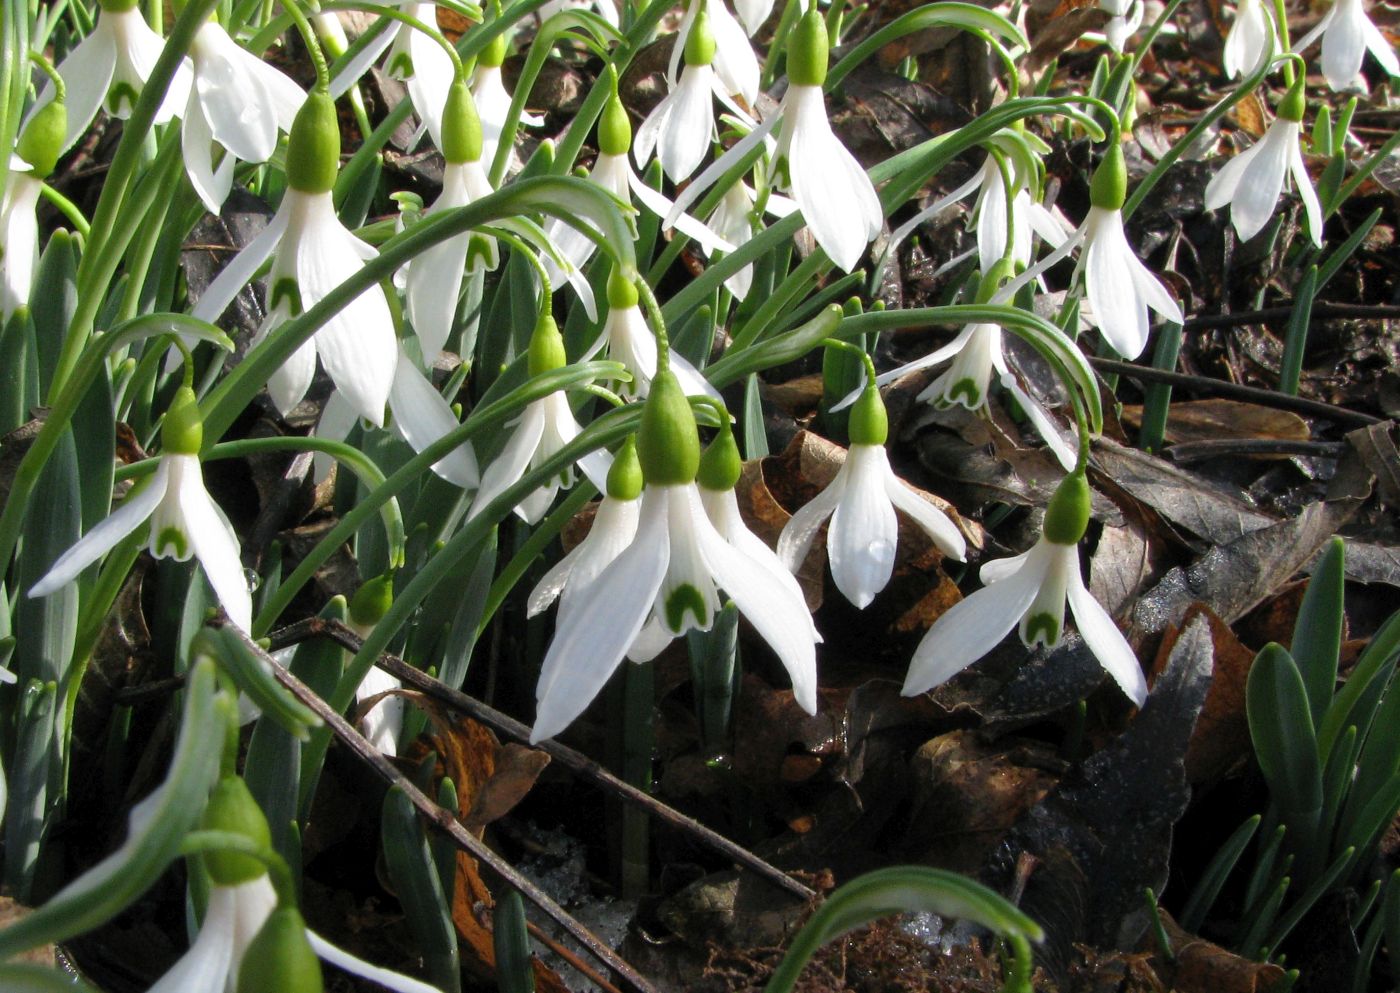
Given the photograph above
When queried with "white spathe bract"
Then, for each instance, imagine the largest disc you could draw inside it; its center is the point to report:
(670, 574)
(19, 239)
(1030, 589)
(1252, 181)
(861, 501)
(434, 278)
(1251, 38)
(237, 101)
(546, 426)
(184, 522)
(1120, 289)
(1347, 34)
(312, 254)
(109, 69)
(834, 193)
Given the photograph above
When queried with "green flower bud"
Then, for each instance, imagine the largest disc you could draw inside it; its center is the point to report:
(700, 43)
(625, 476)
(721, 465)
(546, 347)
(668, 444)
(313, 148)
(1067, 517)
(280, 957)
(1294, 102)
(622, 292)
(182, 433)
(42, 141)
(869, 424)
(807, 51)
(232, 808)
(372, 601)
(1109, 187)
(461, 126)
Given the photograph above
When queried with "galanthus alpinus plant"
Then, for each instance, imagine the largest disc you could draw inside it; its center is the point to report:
(557, 306)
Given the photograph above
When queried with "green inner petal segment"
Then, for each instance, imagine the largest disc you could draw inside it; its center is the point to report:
(682, 600)
(1043, 628)
(172, 542)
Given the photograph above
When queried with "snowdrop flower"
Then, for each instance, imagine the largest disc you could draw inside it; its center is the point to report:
(1030, 588)
(546, 426)
(614, 527)
(668, 579)
(612, 171)
(735, 65)
(1252, 181)
(421, 417)
(681, 127)
(434, 279)
(250, 940)
(382, 725)
(861, 502)
(36, 155)
(630, 341)
(237, 101)
(109, 68)
(424, 66)
(312, 253)
(835, 194)
(184, 520)
(733, 221)
(1125, 17)
(1347, 34)
(753, 14)
(1251, 39)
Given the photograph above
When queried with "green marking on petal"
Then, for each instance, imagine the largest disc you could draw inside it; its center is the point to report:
(682, 600)
(286, 289)
(401, 66)
(968, 390)
(121, 93)
(172, 542)
(1042, 628)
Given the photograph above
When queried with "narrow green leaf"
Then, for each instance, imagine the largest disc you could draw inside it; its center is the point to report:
(1295, 339)
(39, 979)
(1320, 886)
(1357, 700)
(31, 770)
(320, 664)
(415, 878)
(1252, 944)
(1336, 783)
(1212, 880)
(515, 971)
(1317, 633)
(251, 670)
(1281, 728)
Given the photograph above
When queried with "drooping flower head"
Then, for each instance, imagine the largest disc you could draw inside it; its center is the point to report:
(1031, 589)
(631, 342)
(666, 582)
(312, 254)
(1252, 181)
(861, 502)
(681, 127)
(185, 522)
(36, 154)
(1347, 34)
(1251, 39)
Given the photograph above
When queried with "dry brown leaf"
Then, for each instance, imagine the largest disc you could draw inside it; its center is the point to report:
(1251, 116)
(1203, 967)
(1212, 420)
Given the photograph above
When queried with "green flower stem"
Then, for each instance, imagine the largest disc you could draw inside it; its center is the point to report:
(204, 842)
(1168, 12)
(548, 194)
(150, 230)
(1351, 185)
(448, 562)
(107, 222)
(1208, 119)
(657, 320)
(480, 420)
(43, 64)
(69, 210)
(856, 350)
(309, 39)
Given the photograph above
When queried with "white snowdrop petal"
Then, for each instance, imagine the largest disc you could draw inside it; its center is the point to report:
(1257, 194)
(933, 521)
(1311, 206)
(735, 62)
(864, 532)
(1344, 45)
(87, 74)
(1379, 46)
(837, 199)
(511, 463)
(796, 539)
(19, 242)
(688, 129)
(1222, 186)
(552, 583)
(195, 147)
(214, 543)
(614, 528)
(973, 627)
(220, 293)
(387, 978)
(422, 416)
(1117, 310)
(235, 99)
(1105, 640)
(204, 968)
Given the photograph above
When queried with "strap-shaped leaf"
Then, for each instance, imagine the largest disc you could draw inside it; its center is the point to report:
(1281, 727)
(1317, 634)
(934, 15)
(39, 979)
(1208, 887)
(415, 878)
(155, 829)
(515, 972)
(251, 669)
(775, 351)
(1356, 702)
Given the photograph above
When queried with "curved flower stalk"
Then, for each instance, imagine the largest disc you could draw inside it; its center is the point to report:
(1031, 589)
(1347, 34)
(681, 128)
(110, 67)
(834, 193)
(631, 342)
(546, 426)
(1250, 183)
(36, 154)
(312, 253)
(184, 520)
(434, 279)
(861, 502)
(1251, 39)
(736, 66)
(667, 580)
(614, 527)
(238, 102)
